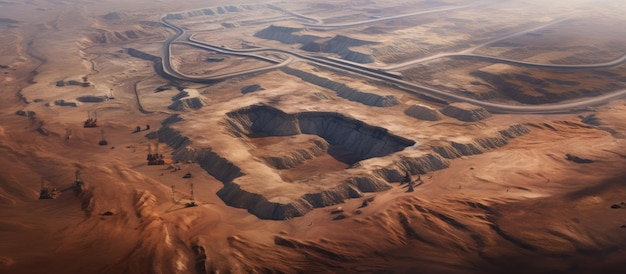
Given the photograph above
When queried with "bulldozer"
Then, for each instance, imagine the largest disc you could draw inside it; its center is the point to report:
(91, 122)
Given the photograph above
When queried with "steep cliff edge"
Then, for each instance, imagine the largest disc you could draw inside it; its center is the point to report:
(310, 135)
(287, 140)
(362, 139)
(214, 164)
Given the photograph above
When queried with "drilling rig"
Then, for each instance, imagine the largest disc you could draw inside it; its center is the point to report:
(192, 200)
(48, 193)
(79, 185)
(155, 158)
(103, 142)
(91, 121)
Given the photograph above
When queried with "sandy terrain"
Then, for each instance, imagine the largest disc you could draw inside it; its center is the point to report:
(299, 169)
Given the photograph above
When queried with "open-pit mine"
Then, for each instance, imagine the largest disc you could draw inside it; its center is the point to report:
(303, 136)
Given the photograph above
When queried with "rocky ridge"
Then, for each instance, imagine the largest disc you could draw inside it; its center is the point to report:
(343, 90)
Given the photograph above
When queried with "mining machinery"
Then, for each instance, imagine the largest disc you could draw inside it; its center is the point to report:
(155, 158)
(48, 193)
(91, 121)
(79, 185)
(192, 200)
(103, 142)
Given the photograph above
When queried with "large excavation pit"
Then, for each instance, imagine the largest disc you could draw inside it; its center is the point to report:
(287, 164)
(348, 140)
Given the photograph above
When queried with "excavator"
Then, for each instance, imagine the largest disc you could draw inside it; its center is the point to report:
(91, 122)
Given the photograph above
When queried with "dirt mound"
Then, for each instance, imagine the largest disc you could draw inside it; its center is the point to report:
(92, 99)
(64, 103)
(341, 45)
(466, 112)
(26, 113)
(423, 112)
(251, 88)
(285, 35)
(113, 16)
(188, 99)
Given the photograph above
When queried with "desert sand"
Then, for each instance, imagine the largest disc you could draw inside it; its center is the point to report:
(299, 123)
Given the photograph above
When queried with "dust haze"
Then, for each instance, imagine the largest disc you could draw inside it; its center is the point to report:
(434, 136)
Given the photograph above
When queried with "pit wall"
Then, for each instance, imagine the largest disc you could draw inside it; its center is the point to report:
(365, 176)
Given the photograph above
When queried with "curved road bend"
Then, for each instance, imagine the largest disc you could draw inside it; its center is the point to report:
(563, 107)
(169, 70)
